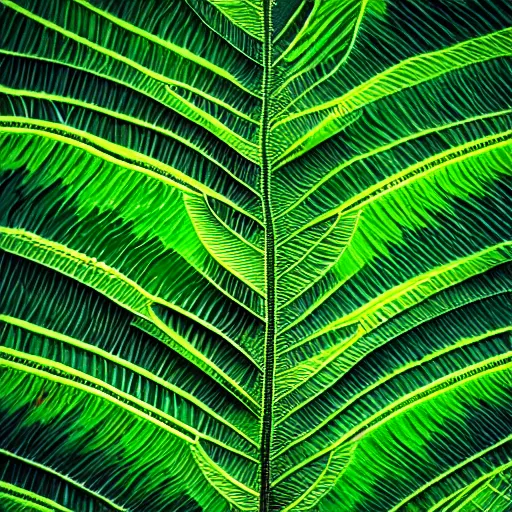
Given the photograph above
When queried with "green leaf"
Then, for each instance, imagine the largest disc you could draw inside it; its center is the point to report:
(255, 255)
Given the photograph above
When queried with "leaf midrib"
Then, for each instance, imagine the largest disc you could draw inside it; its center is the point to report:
(269, 264)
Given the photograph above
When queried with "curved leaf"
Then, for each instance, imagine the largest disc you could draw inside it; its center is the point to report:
(255, 255)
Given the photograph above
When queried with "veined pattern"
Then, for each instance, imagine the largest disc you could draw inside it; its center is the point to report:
(256, 255)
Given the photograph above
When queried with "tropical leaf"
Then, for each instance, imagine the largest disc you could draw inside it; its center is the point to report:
(255, 255)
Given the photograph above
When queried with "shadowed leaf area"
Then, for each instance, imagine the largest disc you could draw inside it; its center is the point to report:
(255, 256)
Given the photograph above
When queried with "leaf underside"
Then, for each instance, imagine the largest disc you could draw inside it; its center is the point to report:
(255, 255)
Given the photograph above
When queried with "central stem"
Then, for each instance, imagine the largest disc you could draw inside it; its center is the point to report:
(270, 278)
